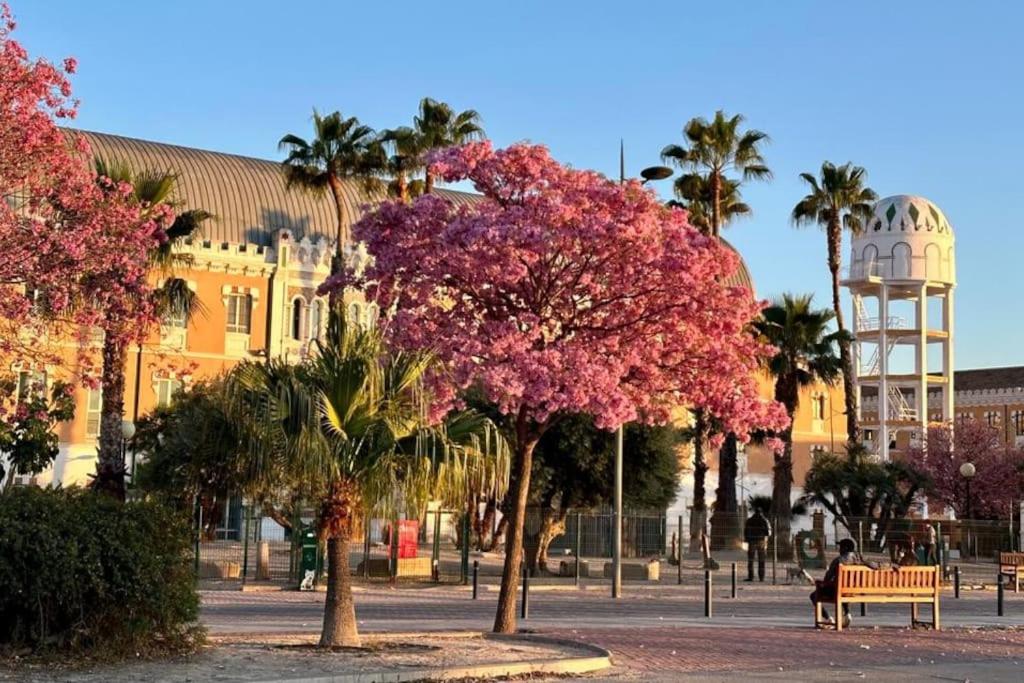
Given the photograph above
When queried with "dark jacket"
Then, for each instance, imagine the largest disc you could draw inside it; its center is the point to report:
(757, 528)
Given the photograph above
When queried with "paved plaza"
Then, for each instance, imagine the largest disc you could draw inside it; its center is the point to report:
(661, 633)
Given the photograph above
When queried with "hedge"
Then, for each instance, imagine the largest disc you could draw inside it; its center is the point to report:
(79, 570)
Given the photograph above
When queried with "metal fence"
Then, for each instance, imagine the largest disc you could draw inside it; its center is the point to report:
(445, 546)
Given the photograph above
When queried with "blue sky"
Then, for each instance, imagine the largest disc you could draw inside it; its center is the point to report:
(927, 96)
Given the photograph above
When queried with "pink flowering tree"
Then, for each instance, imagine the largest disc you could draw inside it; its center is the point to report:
(562, 292)
(74, 245)
(997, 484)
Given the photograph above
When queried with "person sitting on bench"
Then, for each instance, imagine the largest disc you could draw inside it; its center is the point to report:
(825, 591)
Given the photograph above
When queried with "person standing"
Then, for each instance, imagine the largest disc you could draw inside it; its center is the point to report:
(931, 542)
(756, 533)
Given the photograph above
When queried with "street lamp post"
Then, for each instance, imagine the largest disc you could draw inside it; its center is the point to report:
(967, 471)
(648, 174)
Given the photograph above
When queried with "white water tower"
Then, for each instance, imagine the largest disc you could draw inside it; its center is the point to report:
(902, 262)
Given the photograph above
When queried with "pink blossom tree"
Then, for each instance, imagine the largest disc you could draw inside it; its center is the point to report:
(997, 483)
(74, 245)
(562, 292)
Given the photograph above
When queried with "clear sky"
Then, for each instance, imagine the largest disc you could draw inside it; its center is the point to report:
(928, 96)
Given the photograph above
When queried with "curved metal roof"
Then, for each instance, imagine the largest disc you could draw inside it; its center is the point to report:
(741, 278)
(246, 195)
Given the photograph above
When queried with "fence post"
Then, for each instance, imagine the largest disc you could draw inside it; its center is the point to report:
(199, 532)
(956, 582)
(578, 549)
(393, 555)
(1000, 586)
(465, 549)
(734, 580)
(436, 549)
(476, 576)
(366, 546)
(707, 593)
(775, 549)
(679, 553)
(247, 513)
(525, 614)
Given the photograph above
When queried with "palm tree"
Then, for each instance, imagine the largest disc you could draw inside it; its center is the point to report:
(694, 194)
(839, 200)
(172, 299)
(438, 126)
(342, 149)
(715, 149)
(805, 355)
(407, 147)
(348, 429)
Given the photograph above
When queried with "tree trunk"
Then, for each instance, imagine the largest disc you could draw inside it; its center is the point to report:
(342, 237)
(552, 526)
(716, 203)
(110, 465)
(403, 187)
(522, 462)
(698, 515)
(339, 609)
(787, 393)
(835, 245)
(725, 523)
(428, 182)
(499, 531)
(486, 541)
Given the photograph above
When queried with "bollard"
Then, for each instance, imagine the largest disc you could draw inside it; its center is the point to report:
(247, 515)
(707, 593)
(435, 548)
(525, 613)
(733, 580)
(435, 571)
(775, 550)
(1000, 585)
(863, 609)
(956, 582)
(476, 576)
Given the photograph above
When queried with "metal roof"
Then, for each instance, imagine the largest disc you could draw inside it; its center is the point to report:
(247, 196)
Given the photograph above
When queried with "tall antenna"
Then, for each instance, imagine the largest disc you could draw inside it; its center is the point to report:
(622, 161)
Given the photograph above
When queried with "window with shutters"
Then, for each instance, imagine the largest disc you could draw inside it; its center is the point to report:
(239, 313)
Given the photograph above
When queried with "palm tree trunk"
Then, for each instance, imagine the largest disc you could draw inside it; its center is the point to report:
(339, 609)
(725, 523)
(716, 203)
(835, 245)
(338, 262)
(522, 463)
(428, 182)
(787, 393)
(110, 466)
(403, 187)
(552, 526)
(698, 512)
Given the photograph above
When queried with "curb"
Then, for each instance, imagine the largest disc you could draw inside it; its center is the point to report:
(597, 659)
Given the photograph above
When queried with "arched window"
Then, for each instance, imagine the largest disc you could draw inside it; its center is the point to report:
(298, 311)
(355, 314)
(316, 319)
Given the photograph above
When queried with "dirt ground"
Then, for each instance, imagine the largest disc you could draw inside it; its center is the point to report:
(281, 658)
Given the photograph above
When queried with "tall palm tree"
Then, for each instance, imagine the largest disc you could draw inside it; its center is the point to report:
(438, 126)
(694, 194)
(342, 149)
(406, 148)
(172, 299)
(839, 200)
(714, 149)
(348, 428)
(805, 355)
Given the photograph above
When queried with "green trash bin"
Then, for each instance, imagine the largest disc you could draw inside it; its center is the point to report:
(310, 548)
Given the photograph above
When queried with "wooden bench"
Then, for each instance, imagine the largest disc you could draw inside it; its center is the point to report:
(1012, 565)
(858, 583)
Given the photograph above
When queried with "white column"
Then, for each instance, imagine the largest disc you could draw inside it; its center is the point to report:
(922, 360)
(883, 370)
(948, 389)
(854, 358)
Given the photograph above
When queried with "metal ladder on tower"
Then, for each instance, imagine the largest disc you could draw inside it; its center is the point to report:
(864, 322)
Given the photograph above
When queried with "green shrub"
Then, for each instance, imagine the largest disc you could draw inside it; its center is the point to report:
(79, 570)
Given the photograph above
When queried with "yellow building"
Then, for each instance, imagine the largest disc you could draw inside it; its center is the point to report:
(255, 271)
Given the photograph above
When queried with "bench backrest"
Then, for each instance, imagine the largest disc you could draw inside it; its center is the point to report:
(1011, 558)
(861, 580)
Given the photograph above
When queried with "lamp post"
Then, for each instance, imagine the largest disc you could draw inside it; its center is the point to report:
(648, 174)
(967, 471)
(127, 432)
